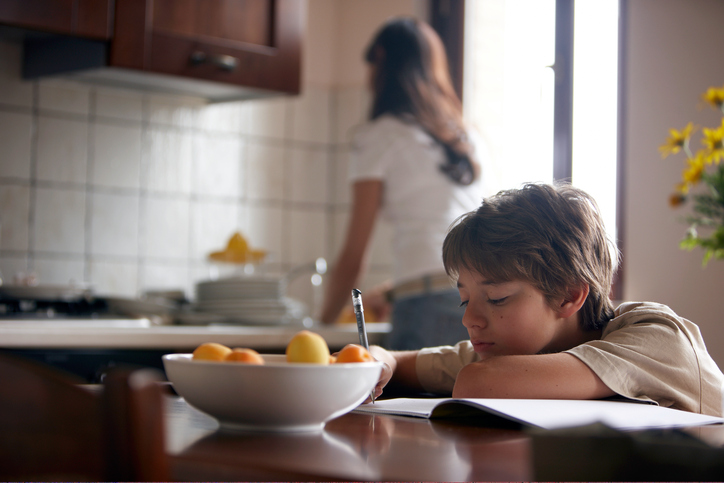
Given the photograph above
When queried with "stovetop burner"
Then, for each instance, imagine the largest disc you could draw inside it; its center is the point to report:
(49, 309)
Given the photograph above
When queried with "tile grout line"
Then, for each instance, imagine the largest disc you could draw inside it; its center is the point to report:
(142, 194)
(89, 195)
(33, 195)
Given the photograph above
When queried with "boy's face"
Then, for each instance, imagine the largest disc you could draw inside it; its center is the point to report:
(507, 318)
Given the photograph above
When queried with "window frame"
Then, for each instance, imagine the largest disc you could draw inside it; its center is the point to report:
(447, 17)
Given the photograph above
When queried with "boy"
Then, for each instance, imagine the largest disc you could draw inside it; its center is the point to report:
(534, 268)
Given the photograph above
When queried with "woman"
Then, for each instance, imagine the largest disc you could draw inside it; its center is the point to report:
(415, 164)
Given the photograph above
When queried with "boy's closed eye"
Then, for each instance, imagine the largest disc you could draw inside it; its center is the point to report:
(499, 301)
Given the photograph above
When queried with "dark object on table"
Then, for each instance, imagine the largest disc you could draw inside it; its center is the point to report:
(599, 453)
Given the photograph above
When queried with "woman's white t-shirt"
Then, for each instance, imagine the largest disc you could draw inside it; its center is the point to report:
(419, 200)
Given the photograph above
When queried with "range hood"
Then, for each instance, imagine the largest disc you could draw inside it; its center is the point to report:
(87, 61)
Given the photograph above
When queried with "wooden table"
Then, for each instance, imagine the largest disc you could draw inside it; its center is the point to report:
(355, 446)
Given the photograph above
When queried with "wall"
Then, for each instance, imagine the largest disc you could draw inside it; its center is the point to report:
(130, 191)
(673, 56)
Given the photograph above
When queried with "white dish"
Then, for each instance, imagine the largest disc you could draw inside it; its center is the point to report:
(277, 396)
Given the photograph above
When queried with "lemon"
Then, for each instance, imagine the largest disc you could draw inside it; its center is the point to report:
(307, 346)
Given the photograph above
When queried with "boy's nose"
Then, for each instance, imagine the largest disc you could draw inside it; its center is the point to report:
(473, 319)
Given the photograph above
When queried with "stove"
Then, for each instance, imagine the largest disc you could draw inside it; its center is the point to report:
(43, 307)
(63, 304)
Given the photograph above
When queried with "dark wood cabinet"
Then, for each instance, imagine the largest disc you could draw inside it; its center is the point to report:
(218, 49)
(254, 43)
(81, 18)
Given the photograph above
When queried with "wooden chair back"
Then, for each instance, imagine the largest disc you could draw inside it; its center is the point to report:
(53, 428)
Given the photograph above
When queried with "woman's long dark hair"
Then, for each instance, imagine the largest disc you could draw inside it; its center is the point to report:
(412, 78)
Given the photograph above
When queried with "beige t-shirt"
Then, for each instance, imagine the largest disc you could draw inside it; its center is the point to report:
(646, 352)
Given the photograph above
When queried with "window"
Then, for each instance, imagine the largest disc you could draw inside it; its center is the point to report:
(520, 56)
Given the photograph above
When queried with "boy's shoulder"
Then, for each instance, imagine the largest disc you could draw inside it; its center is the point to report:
(629, 313)
(642, 307)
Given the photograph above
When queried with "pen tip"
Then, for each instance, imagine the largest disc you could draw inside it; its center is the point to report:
(356, 291)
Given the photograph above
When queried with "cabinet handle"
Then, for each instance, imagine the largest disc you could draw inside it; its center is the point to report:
(223, 62)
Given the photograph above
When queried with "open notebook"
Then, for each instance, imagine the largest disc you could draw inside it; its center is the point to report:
(544, 413)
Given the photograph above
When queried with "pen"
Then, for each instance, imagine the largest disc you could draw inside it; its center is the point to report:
(360, 316)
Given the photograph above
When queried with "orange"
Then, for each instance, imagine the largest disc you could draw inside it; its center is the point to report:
(354, 353)
(211, 351)
(243, 355)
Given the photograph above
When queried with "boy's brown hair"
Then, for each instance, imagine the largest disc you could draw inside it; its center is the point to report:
(551, 236)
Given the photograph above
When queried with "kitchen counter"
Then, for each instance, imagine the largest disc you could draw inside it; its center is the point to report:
(142, 334)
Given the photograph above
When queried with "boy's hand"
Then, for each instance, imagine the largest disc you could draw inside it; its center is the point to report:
(388, 368)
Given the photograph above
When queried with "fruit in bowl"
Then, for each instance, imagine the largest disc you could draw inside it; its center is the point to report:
(307, 346)
(276, 395)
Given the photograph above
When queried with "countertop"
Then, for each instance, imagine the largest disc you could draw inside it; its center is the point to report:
(142, 334)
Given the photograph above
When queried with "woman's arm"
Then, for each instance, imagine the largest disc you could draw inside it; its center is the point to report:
(366, 202)
(540, 376)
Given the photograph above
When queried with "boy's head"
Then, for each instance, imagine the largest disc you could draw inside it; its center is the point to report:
(550, 236)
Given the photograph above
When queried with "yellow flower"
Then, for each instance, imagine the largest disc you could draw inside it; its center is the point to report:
(694, 167)
(676, 140)
(714, 96)
(713, 141)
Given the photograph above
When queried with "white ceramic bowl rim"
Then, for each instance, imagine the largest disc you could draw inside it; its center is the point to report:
(270, 360)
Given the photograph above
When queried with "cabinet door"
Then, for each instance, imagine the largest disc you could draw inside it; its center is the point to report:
(252, 43)
(80, 18)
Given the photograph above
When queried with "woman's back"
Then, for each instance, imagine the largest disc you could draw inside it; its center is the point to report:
(419, 200)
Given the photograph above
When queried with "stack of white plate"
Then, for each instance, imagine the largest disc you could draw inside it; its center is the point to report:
(248, 300)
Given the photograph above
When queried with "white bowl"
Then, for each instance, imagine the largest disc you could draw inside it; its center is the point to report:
(276, 396)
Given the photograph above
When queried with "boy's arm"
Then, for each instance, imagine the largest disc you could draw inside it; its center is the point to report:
(399, 369)
(540, 376)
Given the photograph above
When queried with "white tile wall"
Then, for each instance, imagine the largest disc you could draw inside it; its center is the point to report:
(167, 160)
(116, 155)
(219, 165)
(114, 223)
(59, 221)
(14, 217)
(118, 104)
(310, 114)
(59, 271)
(110, 277)
(165, 228)
(130, 191)
(268, 118)
(309, 175)
(175, 111)
(62, 150)
(15, 139)
(266, 163)
(307, 236)
(212, 223)
(165, 276)
(64, 96)
(265, 229)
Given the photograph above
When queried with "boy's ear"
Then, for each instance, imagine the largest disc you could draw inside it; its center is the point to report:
(574, 300)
